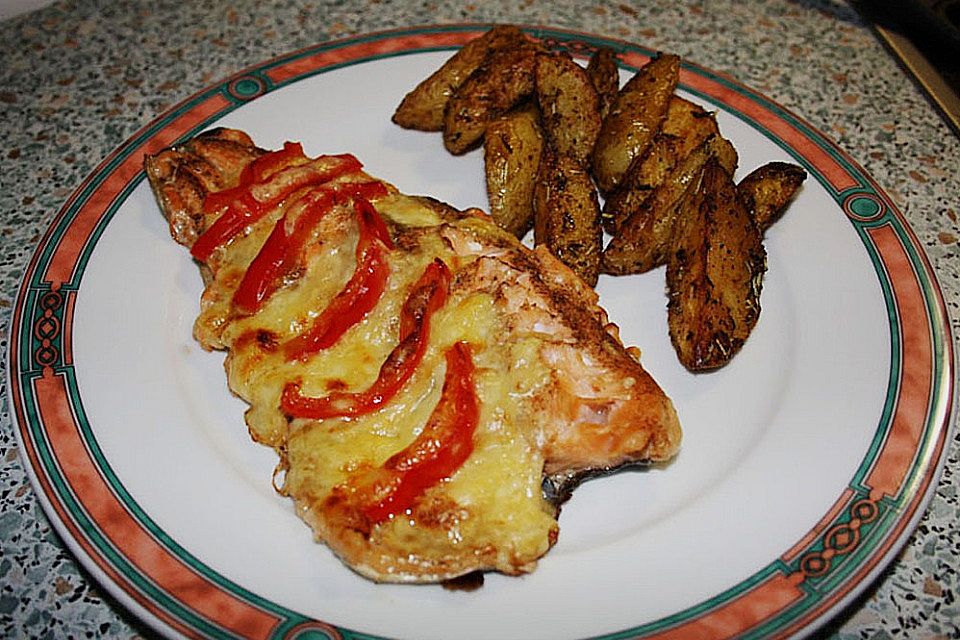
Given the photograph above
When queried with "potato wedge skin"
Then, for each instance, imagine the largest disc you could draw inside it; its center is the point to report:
(634, 119)
(502, 82)
(423, 107)
(644, 238)
(569, 105)
(685, 128)
(714, 275)
(768, 189)
(567, 214)
(604, 73)
(512, 146)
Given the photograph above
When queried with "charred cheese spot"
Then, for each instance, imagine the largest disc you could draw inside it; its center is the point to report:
(336, 385)
(261, 338)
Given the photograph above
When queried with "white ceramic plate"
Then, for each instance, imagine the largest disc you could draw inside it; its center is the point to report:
(806, 461)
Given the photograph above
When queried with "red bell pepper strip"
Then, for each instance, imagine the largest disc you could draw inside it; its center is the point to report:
(243, 209)
(271, 163)
(361, 293)
(242, 212)
(348, 308)
(282, 183)
(427, 296)
(259, 170)
(316, 207)
(260, 279)
(441, 448)
(284, 246)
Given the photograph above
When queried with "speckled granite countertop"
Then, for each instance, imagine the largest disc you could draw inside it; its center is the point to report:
(78, 78)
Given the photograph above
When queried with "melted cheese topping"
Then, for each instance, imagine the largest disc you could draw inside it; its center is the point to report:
(491, 512)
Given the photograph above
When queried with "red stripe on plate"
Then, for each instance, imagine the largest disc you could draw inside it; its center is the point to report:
(891, 542)
(734, 98)
(915, 384)
(838, 177)
(351, 53)
(77, 536)
(761, 603)
(127, 536)
(826, 521)
(67, 254)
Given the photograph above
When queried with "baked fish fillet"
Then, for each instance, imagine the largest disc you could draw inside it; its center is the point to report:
(419, 372)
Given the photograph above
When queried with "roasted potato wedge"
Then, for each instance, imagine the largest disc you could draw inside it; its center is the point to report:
(512, 147)
(634, 119)
(569, 105)
(715, 272)
(768, 189)
(605, 75)
(423, 108)
(643, 240)
(567, 214)
(685, 128)
(659, 160)
(502, 82)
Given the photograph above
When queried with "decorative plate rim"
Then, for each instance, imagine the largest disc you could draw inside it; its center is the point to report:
(825, 569)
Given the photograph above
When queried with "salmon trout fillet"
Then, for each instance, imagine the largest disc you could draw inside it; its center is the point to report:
(432, 387)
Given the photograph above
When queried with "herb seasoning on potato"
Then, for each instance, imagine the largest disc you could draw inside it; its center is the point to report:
(634, 118)
(714, 273)
(511, 156)
(557, 133)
